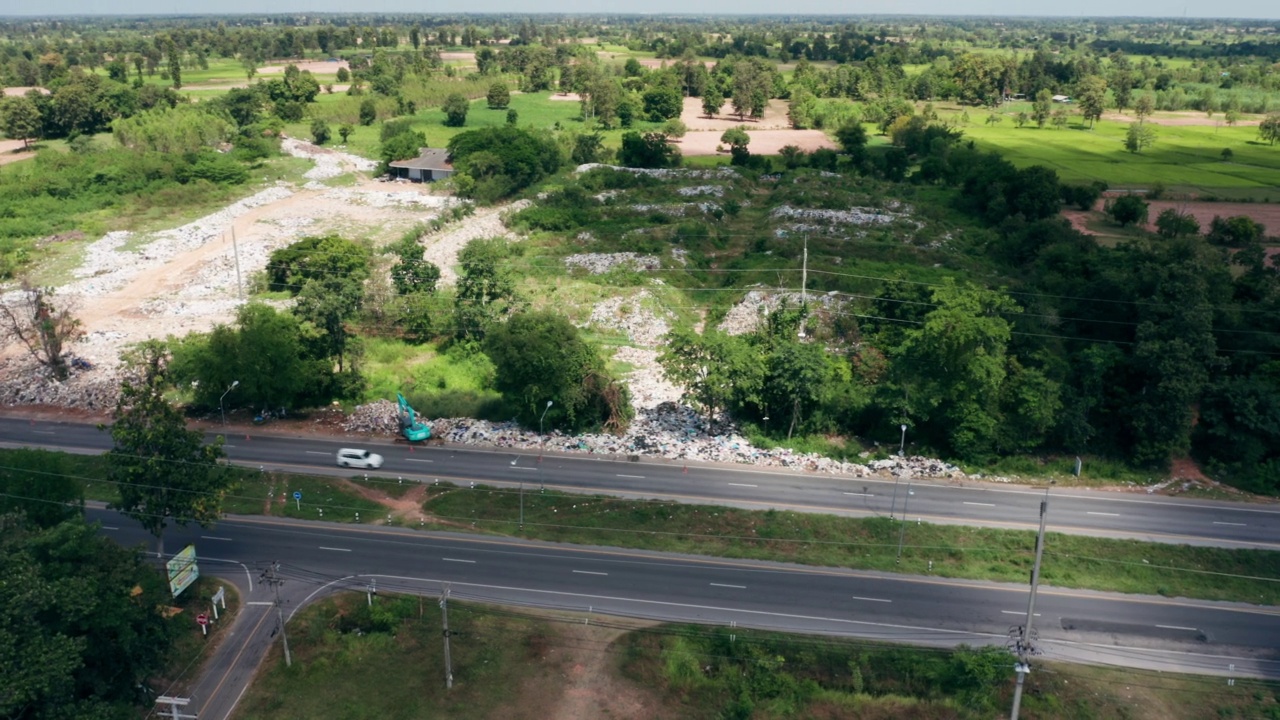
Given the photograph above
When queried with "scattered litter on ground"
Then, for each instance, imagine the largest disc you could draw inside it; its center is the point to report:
(600, 263)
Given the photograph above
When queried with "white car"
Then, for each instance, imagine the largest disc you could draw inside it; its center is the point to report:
(353, 458)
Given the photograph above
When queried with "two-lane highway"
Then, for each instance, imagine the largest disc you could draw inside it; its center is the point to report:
(1101, 513)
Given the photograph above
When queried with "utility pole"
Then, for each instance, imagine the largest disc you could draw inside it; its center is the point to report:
(236, 249)
(444, 618)
(1026, 640)
(272, 578)
(804, 281)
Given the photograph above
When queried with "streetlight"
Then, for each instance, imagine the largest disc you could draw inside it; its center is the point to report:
(903, 443)
(234, 383)
(542, 439)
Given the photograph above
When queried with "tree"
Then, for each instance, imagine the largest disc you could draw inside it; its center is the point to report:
(164, 472)
(344, 131)
(1227, 154)
(675, 128)
(1235, 232)
(343, 74)
(499, 96)
(1059, 118)
(320, 131)
(1042, 107)
(1139, 137)
(662, 103)
(1128, 210)
(1122, 89)
(1144, 106)
(587, 148)
(42, 486)
(712, 101)
(1172, 224)
(412, 273)
(20, 119)
(737, 139)
(852, 137)
(29, 317)
(716, 370)
(952, 367)
(1022, 119)
(1269, 128)
(995, 119)
(513, 117)
(314, 258)
(1091, 96)
(402, 146)
(540, 357)
(485, 288)
(329, 303)
(82, 623)
(799, 376)
(455, 110)
(650, 150)
(368, 111)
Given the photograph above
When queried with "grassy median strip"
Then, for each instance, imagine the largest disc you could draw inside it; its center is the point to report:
(387, 661)
(873, 543)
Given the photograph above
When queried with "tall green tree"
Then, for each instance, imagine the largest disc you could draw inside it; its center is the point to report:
(81, 623)
(164, 472)
(499, 96)
(40, 485)
(1091, 97)
(541, 357)
(20, 119)
(486, 289)
(1042, 107)
(716, 370)
(1269, 128)
(953, 366)
(455, 110)
(329, 303)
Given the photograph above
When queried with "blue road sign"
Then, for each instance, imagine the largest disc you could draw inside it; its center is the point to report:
(297, 494)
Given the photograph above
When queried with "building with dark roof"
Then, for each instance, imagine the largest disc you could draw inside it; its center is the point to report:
(431, 164)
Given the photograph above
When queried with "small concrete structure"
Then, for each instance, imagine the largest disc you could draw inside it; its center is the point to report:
(1062, 98)
(431, 164)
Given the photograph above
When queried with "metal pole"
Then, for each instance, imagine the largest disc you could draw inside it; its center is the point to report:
(1025, 648)
(276, 583)
(902, 531)
(522, 504)
(542, 438)
(902, 444)
(236, 248)
(804, 281)
(444, 618)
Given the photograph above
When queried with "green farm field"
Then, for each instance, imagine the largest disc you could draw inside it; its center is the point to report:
(1185, 158)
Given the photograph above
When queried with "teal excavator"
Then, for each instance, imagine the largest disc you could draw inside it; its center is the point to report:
(410, 427)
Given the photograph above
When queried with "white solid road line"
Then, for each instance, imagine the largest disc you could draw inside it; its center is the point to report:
(317, 452)
(43, 432)
(1016, 612)
(1177, 627)
(1102, 513)
(335, 549)
(417, 460)
(862, 494)
(588, 572)
(521, 467)
(259, 602)
(633, 477)
(855, 597)
(1215, 522)
(735, 587)
(109, 527)
(473, 562)
(215, 537)
(743, 485)
(966, 502)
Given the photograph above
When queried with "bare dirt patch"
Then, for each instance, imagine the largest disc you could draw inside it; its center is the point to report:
(763, 142)
(1268, 215)
(23, 90)
(318, 67)
(592, 686)
(775, 117)
(1177, 118)
(14, 150)
(566, 97)
(1078, 218)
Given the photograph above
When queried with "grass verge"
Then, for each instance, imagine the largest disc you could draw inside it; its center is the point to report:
(190, 646)
(353, 661)
(953, 551)
(720, 673)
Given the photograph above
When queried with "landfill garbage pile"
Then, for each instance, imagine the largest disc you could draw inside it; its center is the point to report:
(669, 431)
(601, 263)
(748, 313)
(629, 315)
(26, 383)
(720, 173)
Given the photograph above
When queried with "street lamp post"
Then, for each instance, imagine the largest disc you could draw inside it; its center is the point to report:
(234, 383)
(542, 438)
(902, 444)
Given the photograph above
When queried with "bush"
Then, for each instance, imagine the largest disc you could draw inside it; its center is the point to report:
(320, 131)
(455, 110)
(1128, 210)
(650, 150)
(496, 162)
(499, 97)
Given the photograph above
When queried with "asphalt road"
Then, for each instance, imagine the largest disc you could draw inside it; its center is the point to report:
(316, 558)
(1099, 513)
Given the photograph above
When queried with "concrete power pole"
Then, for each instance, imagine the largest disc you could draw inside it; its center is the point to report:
(235, 247)
(270, 577)
(444, 618)
(1026, 639)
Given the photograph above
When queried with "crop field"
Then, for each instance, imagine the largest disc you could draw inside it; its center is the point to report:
(1184, 158)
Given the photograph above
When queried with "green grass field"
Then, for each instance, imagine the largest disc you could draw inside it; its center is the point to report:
(1185, 158)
